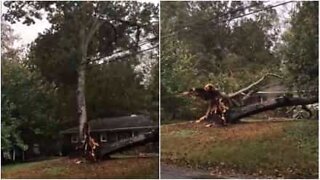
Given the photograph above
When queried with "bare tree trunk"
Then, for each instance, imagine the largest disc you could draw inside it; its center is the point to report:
(81, 100)
(235, 114)
(89, 144)
(14, 155)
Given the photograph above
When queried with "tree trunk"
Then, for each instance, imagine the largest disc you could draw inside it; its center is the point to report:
(235, 114)
(89, 144)
(81, 100)
(14, 155)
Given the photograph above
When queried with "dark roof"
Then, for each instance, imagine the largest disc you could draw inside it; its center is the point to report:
(117, 124)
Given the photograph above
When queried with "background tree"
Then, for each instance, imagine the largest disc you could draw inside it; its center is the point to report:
(299, 50)
(28, 112)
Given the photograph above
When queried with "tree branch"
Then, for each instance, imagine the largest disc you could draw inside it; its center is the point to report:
(95, 26)
(247, 89)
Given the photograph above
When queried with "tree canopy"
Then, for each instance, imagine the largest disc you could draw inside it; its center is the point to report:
(299, 51)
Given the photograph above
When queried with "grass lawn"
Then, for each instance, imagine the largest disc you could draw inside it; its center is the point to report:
(287, 149)
(67, 168)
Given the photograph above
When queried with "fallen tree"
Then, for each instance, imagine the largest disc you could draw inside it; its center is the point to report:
(92, 150)
(230, 108)
(124, 144)
(235, 114)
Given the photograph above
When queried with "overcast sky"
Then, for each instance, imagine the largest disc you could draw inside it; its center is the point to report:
(29, 33)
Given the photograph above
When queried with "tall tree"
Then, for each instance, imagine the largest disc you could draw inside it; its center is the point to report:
(84, 33)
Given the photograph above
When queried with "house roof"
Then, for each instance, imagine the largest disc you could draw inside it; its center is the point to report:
(117, 124)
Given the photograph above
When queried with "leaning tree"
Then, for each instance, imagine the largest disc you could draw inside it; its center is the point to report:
(83, 34)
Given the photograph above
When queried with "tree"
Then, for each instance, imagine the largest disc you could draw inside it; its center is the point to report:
(82, 34)
(28, 113)
(299, 50)
(10, 136)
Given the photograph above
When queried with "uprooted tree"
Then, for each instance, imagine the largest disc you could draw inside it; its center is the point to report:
(230, 108)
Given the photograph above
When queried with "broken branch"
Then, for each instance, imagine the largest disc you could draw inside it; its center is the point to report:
(245, 90)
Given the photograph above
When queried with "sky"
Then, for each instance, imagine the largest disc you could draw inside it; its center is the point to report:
(30, 33)
(27, 33)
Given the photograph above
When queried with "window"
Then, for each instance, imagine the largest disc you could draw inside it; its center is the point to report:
(134, 133)
(74, 139)
(103, 137)
(36, 149)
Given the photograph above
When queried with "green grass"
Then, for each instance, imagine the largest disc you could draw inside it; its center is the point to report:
(263, 149)
(25, 165)
(67, 168)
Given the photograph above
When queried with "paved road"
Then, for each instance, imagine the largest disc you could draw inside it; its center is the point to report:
(174, 172)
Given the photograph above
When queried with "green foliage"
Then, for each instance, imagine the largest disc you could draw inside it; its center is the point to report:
(10, 136)
(28, 107)
(28, 110)
(112, 89)
(299, 51)
(57, 52)
(202, 43)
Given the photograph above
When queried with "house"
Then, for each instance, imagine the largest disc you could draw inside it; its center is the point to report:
(111, 130)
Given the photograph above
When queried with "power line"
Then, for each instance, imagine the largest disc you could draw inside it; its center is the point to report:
(141, 43)
(263, 9)
(222, 15)
(113, 59)
(232, 11)
(132, 54)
